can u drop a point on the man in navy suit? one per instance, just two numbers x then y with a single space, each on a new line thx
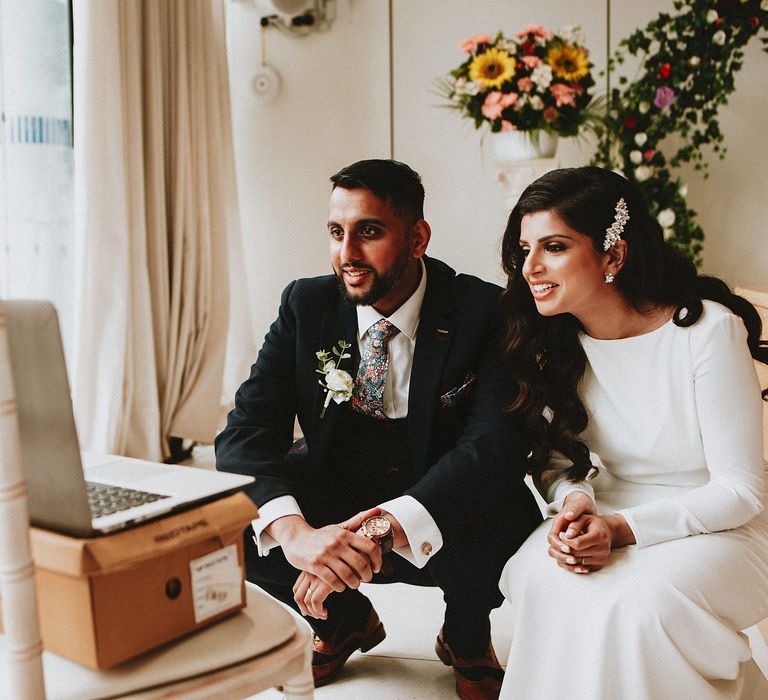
405 446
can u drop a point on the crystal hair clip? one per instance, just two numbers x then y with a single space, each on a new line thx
614 231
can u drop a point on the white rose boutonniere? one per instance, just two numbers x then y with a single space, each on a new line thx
338 382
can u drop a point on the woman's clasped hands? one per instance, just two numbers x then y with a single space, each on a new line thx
581 541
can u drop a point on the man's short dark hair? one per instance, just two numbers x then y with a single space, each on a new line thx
394 182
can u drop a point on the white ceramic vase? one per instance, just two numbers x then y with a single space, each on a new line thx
509 146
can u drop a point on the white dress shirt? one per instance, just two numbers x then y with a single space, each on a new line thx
424 537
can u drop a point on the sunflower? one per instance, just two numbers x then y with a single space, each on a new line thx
492 68
568 62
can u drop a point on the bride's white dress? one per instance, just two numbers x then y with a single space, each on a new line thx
675 418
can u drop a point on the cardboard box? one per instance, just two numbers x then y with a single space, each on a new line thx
107 599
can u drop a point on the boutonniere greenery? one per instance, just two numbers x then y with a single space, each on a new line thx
338 382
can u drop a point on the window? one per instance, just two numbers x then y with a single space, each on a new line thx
36 163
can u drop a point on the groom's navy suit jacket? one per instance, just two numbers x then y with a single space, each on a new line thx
467 453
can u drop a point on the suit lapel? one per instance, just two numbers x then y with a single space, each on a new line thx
337 324
433 342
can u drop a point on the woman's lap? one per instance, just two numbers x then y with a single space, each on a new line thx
662 618
724 572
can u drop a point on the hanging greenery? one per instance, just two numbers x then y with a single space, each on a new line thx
688 63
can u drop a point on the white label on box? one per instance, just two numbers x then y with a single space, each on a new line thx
216 582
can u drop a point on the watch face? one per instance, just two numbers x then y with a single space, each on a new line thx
377 526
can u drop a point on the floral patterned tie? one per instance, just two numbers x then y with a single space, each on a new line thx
368 393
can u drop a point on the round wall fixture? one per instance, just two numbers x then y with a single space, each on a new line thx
283 7
266 83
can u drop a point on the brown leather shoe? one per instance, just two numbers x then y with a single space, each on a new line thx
329 656
478 677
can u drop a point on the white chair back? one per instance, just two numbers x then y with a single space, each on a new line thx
22 676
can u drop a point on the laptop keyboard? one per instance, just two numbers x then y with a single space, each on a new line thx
105 500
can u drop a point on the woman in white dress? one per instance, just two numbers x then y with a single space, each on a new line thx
637 386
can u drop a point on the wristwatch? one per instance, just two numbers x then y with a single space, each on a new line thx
379 529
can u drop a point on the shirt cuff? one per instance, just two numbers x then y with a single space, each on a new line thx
272 510
424 537
564 488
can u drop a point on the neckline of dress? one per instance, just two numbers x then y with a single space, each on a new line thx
589 338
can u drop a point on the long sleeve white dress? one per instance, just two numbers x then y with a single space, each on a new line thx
675 420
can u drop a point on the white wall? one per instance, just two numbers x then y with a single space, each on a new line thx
334 109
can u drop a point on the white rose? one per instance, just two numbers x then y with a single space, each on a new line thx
764 5
711 16
537 103
462 86
340 384
542 76
641 138
719 37
683 190
694 61
636 157
666 218
643 172
643 107
668 233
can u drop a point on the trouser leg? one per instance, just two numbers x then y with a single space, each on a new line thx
467 569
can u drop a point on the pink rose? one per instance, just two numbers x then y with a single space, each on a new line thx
665 97
496 102
563 94
509 100
471 43
531 61
537 30
524 84
492 108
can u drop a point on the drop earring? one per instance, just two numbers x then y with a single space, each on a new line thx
609 277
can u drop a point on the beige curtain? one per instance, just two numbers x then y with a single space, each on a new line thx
157 235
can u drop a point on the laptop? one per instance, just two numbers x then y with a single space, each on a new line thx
96 494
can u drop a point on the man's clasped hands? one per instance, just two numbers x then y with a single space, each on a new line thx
330 558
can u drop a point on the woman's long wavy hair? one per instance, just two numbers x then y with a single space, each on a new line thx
544 353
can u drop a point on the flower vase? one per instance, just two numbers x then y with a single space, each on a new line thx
510 146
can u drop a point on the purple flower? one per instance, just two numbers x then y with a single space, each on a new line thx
665 96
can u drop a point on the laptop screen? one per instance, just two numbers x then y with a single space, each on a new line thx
48 437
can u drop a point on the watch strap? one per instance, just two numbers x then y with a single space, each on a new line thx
386 542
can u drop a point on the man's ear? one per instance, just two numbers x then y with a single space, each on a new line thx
420 238
615 257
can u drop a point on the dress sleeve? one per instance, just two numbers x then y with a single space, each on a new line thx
729 408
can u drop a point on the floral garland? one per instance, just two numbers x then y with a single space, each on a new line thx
689 62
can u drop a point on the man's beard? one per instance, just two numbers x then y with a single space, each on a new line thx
382 283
